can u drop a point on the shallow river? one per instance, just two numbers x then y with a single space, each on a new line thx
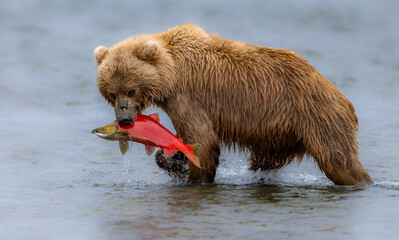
58 181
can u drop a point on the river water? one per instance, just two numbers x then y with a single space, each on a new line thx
58 181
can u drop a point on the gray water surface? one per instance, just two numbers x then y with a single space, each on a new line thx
58 181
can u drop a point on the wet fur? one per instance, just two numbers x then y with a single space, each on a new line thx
221 92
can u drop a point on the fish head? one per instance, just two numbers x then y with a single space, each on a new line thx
111 132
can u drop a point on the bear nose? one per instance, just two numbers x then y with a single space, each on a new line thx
125 121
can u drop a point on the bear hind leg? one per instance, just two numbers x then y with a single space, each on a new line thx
343 169
339 159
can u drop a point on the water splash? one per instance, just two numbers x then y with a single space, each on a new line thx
139 169
125 169
388 185
235 171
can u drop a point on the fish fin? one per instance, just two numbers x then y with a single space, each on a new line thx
193 155
154 116
169 152
149 149
194 147
123 146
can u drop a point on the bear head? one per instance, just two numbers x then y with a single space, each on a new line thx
133 74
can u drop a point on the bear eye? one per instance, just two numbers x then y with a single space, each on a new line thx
131 93
112 96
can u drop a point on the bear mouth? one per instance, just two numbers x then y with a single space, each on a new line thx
125 112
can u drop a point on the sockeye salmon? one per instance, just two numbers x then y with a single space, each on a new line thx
148 131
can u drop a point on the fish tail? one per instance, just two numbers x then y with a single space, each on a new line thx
192 154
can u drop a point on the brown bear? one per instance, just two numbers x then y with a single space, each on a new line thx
219 92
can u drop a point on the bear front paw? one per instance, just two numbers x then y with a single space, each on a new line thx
175 166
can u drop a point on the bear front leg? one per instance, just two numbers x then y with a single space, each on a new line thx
208 151
193 125
208 154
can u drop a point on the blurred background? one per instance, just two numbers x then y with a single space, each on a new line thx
58 181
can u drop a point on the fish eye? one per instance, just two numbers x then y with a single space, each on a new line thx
131 93
112 96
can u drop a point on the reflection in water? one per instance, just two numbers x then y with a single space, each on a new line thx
230 210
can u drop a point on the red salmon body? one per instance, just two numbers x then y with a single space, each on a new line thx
147 130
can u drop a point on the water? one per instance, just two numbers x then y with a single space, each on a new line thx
58 181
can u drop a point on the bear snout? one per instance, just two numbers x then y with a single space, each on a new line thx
125 113
125 121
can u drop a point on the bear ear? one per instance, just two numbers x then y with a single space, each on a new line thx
148 51
100 53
